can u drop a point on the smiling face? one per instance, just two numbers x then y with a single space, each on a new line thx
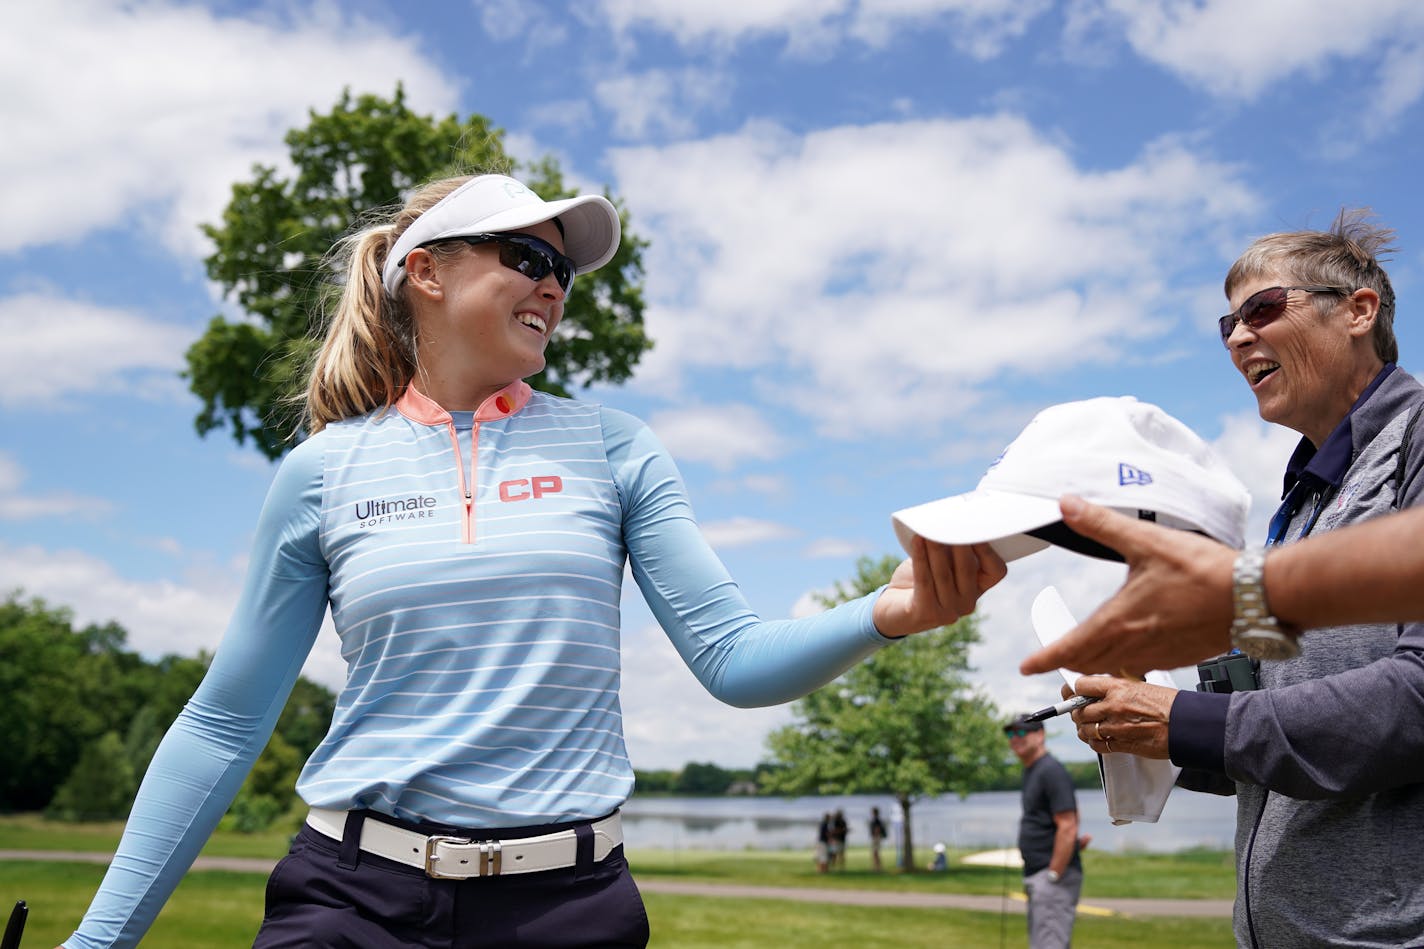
1306 368
479 324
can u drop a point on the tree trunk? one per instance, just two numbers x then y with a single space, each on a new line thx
909 841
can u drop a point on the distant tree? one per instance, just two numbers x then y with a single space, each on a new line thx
269 790
906 722
100 786
703 778
60 690
271 259
74 703
659 781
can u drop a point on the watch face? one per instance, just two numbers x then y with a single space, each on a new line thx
1266 644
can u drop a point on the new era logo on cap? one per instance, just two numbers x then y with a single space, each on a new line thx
1080 448
1126 474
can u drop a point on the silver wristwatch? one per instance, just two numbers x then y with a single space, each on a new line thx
1255 631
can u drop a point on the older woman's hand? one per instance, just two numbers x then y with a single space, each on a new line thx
936 586
1130 716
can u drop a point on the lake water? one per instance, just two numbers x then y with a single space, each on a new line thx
989 821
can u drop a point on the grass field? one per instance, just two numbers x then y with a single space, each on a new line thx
220 909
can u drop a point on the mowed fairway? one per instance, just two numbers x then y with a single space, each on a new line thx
221 908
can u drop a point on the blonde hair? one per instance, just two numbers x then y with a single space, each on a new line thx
367 352
1348 256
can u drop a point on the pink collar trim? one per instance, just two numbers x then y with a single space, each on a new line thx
418 407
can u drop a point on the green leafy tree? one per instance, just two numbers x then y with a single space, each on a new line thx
269 791
101 785
907 721
62 689
271 259
703 778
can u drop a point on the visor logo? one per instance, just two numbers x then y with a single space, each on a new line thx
1127 474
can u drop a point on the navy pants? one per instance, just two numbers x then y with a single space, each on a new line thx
314 901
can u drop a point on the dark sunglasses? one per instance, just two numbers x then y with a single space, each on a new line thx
1017 732
1265 306
530 256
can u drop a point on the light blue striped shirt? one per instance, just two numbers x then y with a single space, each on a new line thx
473 566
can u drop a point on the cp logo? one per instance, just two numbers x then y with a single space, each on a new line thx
525 488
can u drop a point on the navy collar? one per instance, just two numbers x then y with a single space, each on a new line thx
1329 464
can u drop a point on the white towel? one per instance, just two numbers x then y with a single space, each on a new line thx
1136 788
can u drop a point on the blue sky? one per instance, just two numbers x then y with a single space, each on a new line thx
884 234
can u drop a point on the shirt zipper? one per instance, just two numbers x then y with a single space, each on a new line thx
467 486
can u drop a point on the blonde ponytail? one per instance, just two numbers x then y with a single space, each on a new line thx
367 354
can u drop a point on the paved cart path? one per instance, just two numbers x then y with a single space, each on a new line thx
1013 903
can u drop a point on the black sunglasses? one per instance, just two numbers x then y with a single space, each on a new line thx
1018 732
1265 306
525 254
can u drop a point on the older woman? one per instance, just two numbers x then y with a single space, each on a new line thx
1328 797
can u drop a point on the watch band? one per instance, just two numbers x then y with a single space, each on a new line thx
1255 631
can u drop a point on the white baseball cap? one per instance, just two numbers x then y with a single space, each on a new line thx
494 204
1118 452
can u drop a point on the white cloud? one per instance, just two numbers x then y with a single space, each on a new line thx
164 616
1235 49
744 532
813 27
56 347
980 28
1007 632
16 505
722 436
833 547
907 268
1257 452
95 141
670 719
662 101
726 21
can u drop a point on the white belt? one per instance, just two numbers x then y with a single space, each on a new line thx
459 858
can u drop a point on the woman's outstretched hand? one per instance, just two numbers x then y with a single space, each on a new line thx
936 586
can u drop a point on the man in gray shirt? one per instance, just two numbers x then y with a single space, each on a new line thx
1048 838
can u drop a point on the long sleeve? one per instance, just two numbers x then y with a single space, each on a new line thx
740 658
1355 732
203 760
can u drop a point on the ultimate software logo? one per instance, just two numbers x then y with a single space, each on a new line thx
372 513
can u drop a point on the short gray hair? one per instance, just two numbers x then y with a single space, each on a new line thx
1347 255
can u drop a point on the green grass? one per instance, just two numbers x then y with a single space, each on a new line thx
221 909
1188 875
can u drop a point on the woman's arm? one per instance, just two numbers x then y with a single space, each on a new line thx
203 760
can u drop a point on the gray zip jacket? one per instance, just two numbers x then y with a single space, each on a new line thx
1328 757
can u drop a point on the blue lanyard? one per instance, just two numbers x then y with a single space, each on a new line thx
1280 521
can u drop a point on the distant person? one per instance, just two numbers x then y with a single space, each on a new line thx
940 862
823 843
877 834
839 830
1048 838
897 834
470 537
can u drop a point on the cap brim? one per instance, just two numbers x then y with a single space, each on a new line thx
591 227
996 518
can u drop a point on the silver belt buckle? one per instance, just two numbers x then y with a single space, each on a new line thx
491 858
